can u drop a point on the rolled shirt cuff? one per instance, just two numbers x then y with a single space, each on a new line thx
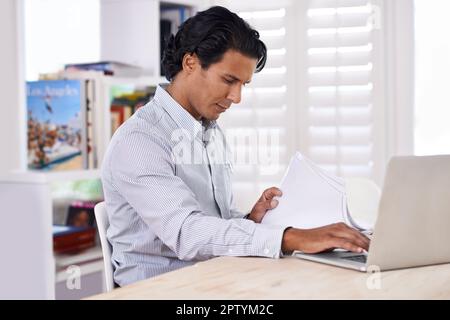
267 240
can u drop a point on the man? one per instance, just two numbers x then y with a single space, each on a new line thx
166 175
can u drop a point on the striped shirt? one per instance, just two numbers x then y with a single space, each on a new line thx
167 185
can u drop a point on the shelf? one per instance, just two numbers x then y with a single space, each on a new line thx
89 261
140 81
48 177
191 3
85 269
88 255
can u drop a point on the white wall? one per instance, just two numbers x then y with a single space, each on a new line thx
75 40
432 130
12 88
400 74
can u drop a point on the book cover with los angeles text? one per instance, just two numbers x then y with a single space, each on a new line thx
56 125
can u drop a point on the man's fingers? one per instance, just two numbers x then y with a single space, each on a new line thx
346 245
268 204
268 194
273 204
357 239
344 231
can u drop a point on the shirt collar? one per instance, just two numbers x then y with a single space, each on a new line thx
181 116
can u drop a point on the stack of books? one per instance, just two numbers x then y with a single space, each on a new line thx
79 231
126 101
109 68
71 239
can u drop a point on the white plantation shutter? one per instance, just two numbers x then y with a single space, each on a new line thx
343 112
258 128
322 92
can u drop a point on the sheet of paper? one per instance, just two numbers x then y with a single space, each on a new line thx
335 181
310 198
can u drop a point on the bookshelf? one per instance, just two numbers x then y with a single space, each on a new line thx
32 269
133 40
49 177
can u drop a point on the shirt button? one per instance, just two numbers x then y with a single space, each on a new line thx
266 251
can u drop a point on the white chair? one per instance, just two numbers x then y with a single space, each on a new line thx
363 198
102 224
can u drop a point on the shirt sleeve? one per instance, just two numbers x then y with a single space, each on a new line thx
143 172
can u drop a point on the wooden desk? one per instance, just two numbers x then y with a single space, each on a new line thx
287 278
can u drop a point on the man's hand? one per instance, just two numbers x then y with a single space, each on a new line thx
323 239
264 203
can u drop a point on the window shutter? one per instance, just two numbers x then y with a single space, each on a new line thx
343 117
321 93
257 129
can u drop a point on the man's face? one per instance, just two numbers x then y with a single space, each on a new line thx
212 91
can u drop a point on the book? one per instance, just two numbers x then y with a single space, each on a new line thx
119 114
71 239
90 123
94 103
165 29
176 14
171 17
132 96
81 214
313 197
110 68
126 100
56 125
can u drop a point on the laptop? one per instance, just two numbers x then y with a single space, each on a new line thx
413 223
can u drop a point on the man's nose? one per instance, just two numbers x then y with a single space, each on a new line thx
235 94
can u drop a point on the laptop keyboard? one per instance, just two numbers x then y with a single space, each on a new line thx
361 258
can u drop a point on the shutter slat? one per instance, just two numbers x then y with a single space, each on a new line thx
340 59
265 80
274 42
343 135
345 98
272 23
276 61
340 78
263 99
338 20
339 40
314 4
348 116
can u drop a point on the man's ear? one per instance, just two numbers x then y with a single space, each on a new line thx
190 62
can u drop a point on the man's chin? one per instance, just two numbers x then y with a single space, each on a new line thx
212 117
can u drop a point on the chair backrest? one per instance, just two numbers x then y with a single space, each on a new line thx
363 198
102 224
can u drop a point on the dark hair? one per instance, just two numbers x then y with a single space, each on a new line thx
209 34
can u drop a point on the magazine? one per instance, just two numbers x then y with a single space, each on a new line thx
56 123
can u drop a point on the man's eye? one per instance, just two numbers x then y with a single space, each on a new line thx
228 81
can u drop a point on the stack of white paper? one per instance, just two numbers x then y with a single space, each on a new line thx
312 197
